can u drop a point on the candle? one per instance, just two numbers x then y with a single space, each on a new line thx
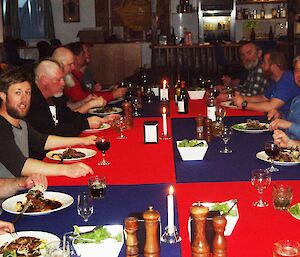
164 84
171 208
164 116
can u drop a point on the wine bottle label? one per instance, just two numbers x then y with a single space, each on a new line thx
181 107
211 112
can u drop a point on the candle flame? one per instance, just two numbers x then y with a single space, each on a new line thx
164 83
171 190
164 110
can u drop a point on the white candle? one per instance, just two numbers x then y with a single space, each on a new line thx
171 208
164 116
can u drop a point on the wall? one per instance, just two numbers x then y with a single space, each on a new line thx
67 31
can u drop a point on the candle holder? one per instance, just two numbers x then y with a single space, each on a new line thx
170 235
164 136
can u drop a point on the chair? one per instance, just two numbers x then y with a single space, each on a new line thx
44 49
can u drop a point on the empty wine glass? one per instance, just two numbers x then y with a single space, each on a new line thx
103 144
226 136
136 106
85 206
260 179
121 124
272 150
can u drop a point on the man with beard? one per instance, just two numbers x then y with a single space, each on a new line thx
279 93
66 58
18 138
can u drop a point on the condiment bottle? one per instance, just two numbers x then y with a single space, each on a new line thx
127 108
131 227
151 248
199 127
219 244
208 130
200 247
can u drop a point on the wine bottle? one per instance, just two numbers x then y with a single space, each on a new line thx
183 101
173 37
252 35
271 34
177 89
211 107
262 12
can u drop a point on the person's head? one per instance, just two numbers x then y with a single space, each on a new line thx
87 54
65 57
15 93
274 61
77 49
250 55
296 65
49 77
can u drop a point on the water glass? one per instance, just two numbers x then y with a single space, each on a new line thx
97 186
226 136
85 206
286 248
260 179
282 196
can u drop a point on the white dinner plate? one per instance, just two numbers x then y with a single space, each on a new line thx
243 128
104 126
45 236
116 100
229 104
99 111
294 215
9 204
264 157
88 154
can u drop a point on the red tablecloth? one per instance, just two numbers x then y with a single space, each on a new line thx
132 161
257 228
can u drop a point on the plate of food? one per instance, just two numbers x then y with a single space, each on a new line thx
41 203
286 157
251 126
229 104
117 100
105 111
104 126
295 211
71 154
27 243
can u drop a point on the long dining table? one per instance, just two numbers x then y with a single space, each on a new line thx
140 174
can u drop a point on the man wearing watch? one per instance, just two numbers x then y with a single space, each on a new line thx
280 91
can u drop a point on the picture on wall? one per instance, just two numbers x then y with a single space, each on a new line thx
71 10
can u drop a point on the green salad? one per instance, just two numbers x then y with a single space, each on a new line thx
190 143
224 208
295 210
97 235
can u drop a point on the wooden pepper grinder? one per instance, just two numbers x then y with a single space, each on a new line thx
220 244
152 247
208 130
131 227
200 247
127 108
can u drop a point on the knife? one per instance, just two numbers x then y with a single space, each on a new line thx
26 206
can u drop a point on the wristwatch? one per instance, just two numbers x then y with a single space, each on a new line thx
244 104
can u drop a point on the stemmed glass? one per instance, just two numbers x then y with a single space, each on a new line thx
85 206
226 135
136 105
260 179
121 124
103 144
272 150
220 113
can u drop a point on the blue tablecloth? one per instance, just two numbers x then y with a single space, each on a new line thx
235 166
119 202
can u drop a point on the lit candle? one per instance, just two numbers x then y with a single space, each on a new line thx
164 84
171 208
164 116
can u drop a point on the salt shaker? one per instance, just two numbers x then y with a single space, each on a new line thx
220 244
152 247
131 227
200 246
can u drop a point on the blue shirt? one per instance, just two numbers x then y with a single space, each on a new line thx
284 89
294 117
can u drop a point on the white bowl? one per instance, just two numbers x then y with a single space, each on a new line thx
196 94
192 153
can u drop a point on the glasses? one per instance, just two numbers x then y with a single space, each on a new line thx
121 123
226 136
85 206
272 150
103 144
260 179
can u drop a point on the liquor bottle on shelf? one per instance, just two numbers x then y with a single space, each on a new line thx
274 13
183 101
262 12
271 34
282 11
172 37
252 35
278 12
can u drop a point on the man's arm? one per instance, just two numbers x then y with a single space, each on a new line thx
265 106
57 141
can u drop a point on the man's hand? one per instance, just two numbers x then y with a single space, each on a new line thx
282 140
238 99
280 124
34 180
273 114
97 102
90 140
119 92
94 122
6 227
77 170
110 118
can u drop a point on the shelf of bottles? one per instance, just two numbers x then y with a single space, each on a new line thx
184 6
260 1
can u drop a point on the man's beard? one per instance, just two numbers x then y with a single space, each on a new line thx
14 112
69 80
251 65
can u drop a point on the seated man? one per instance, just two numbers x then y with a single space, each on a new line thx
292 123
18 138
48 112
279 93
80 90
255 82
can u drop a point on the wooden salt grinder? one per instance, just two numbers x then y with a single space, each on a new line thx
127 108
220 244
131 227
200 247
152 247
